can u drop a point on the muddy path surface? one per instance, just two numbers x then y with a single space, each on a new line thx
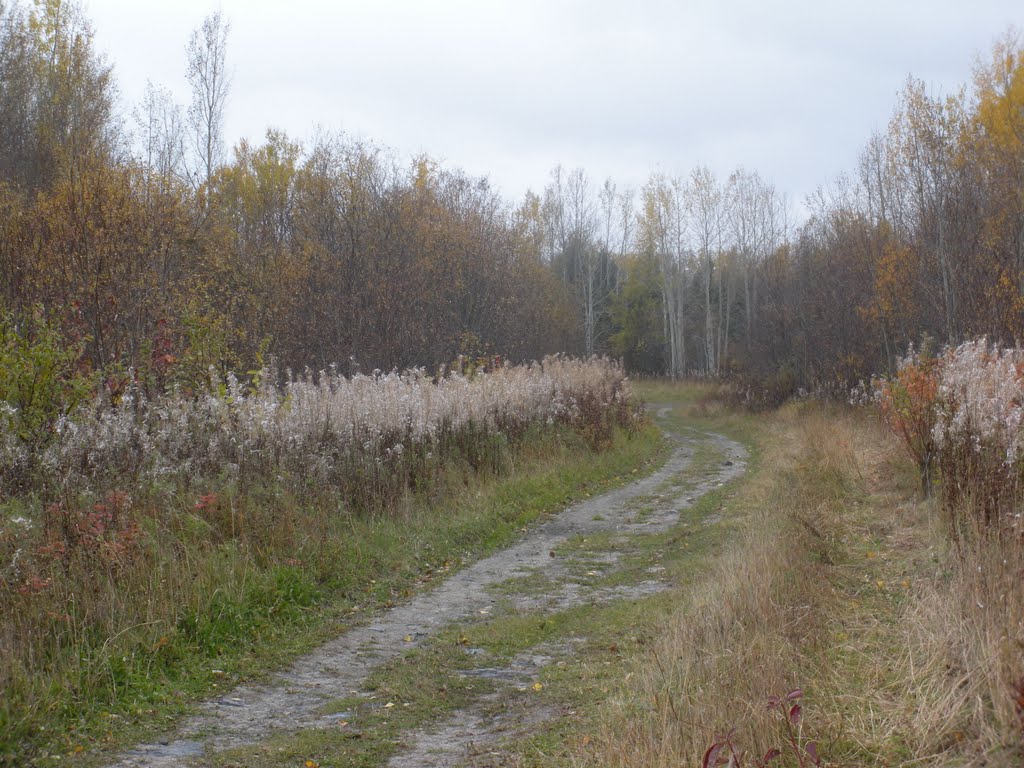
296 697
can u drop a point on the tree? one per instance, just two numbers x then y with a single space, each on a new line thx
639 339
926 133
18 85
162 137
998 144
56 94
705 206
662 237
210 80
756 223
572 222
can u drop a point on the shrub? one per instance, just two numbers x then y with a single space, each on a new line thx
908 402
796 748
962 414
41 381
758 393
979 435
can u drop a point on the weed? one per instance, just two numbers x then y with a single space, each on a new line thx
802 753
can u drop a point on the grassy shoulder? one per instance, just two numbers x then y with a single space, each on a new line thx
242 614
838 581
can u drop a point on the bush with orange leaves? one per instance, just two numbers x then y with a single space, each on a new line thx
909 405
961 416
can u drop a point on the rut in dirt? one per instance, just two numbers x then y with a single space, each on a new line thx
294 698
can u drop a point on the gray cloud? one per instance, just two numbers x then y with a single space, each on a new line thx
509 88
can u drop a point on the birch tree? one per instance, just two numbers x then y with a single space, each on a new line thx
210 81
573 219
704 202
662 234
756 224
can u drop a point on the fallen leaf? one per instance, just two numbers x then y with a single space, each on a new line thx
389 705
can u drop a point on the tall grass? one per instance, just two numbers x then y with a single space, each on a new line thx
149 536
749 630
900 615
367 435
968 631
962 669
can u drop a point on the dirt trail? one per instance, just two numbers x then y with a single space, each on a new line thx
294 699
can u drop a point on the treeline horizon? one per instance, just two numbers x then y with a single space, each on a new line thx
153 249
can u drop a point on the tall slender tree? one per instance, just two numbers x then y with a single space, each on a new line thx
208 75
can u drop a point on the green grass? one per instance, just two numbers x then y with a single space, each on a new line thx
265 613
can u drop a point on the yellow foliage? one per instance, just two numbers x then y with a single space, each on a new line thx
999 87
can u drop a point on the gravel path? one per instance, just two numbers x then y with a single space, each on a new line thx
293 699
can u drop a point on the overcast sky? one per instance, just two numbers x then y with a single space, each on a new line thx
508 89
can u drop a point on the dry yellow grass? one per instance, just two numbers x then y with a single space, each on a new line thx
952 649
841 584
965 660
750 629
